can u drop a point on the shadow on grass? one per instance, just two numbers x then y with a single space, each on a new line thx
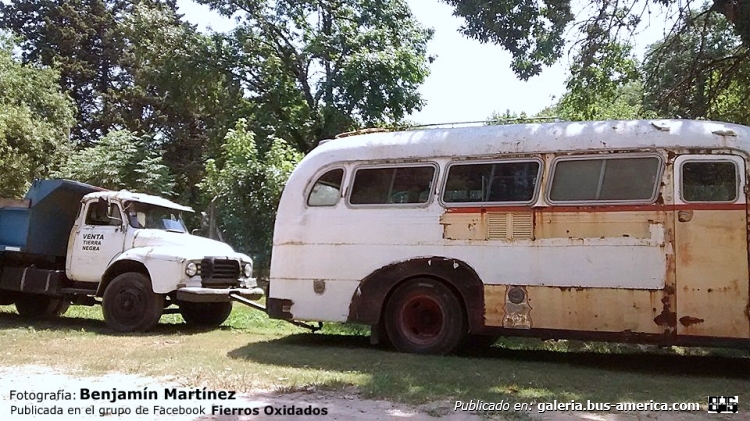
513 374
89 325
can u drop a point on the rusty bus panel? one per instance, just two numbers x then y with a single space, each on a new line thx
597 223
712 274
585 309
464 226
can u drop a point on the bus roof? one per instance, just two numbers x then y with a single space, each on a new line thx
533 138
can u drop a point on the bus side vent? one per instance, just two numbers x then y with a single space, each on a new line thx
510 225
497 225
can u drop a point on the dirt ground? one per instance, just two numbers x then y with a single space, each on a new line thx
341 405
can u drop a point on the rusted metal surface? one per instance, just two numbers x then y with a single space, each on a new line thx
712 274
279 308
688 321
481 224
581 309
600 222
367 303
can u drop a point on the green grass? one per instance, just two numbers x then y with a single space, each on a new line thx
252 352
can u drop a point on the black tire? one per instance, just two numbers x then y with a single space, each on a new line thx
7 298
130 305
205 314
34 306
423 316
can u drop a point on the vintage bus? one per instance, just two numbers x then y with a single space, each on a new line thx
611 230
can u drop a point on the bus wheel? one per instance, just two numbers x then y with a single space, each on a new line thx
7 298
205 314
423 316
33 306
129 304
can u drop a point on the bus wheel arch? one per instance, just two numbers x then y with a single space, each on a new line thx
371 297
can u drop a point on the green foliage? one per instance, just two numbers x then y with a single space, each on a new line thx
596 78
508 117
247 183
35 117
531 30
121 160
535 32
315 69
702 72
79 38
624 103
178 91
135 66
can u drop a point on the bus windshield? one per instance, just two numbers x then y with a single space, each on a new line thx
145 215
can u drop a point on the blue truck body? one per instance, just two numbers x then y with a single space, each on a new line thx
41 224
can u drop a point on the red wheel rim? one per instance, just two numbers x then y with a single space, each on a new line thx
421 319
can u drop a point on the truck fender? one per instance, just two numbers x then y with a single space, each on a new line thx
118 267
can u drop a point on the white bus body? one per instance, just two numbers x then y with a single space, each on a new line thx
612 230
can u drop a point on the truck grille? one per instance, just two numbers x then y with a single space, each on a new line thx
219 272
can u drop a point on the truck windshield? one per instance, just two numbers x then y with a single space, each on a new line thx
144 215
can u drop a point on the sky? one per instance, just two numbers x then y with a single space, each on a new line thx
468 81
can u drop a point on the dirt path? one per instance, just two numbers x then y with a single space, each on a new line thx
342 405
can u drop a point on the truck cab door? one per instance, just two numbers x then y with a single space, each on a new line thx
97 239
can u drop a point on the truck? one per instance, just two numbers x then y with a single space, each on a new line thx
69 243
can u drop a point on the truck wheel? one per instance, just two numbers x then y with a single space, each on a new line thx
205 314
33 306
130 305
423 316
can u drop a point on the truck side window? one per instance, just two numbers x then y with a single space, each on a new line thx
97 214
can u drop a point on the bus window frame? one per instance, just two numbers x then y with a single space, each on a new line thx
609 155
367 166
314 179
469 161
712 158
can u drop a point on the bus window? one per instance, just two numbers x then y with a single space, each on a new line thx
629 179
327 189
491 182
397 185
709 181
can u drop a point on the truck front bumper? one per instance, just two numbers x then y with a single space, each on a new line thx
216 295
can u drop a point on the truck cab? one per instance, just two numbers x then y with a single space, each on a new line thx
129 252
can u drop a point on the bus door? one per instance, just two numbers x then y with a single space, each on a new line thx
711 246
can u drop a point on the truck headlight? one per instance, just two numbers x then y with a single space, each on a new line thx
247 270
191 269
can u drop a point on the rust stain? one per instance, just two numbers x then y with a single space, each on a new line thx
690 320
667 318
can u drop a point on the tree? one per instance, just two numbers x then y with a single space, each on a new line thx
120 160
625 103
81 39
600 33
179 93
702 72
35 118
534 31
134 65
247 184
313 69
